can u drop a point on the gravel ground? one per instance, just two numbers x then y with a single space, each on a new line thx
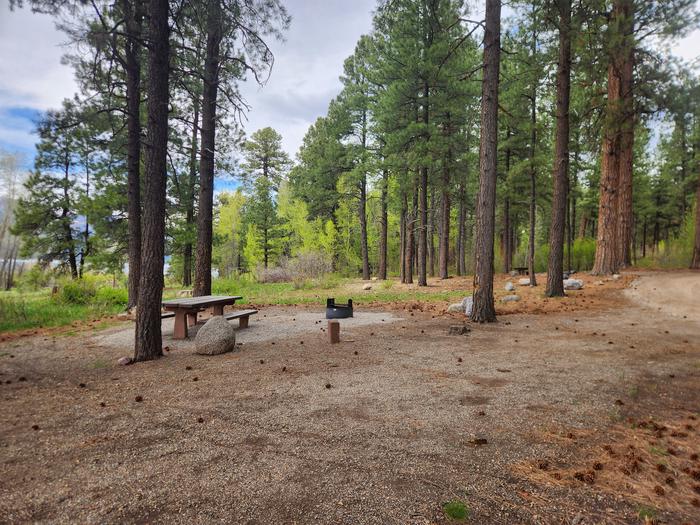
383 428
266 325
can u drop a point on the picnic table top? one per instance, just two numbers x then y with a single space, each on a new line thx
201 301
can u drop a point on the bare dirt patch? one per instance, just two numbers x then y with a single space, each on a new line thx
384 428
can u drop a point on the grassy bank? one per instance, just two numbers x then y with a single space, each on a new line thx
20 311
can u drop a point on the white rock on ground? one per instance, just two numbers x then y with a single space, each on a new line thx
509 287
573 284
467 304
455 308
367 287
217 336
510 298
524 282
123 361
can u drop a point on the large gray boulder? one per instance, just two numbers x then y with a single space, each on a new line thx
509 287
573 284
217 336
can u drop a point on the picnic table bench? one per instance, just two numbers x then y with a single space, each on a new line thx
187 308
522 270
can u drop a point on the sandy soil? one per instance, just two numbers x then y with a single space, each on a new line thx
529 420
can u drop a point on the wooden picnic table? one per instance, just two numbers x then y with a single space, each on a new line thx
186 310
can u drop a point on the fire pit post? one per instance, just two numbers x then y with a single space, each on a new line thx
334 331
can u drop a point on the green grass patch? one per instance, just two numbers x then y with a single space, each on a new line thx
646 513
456 510
39 310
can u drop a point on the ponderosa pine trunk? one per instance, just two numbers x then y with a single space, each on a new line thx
66 220
459 248
445 206
431 235
384 227
133 20
191 185
608 255
202 272
423 204
695 262
403 238
626 212
533 174
362 205
148 338
483 309
560 175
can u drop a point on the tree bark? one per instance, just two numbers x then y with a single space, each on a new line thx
483 307
431 235
423 204
384 232
66 221
560 176
202 272
626 219
363 228
191 185
533 172
404 237
695 262
613 174
133 16
444 241
148 339
459 248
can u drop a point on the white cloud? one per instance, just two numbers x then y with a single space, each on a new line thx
31 73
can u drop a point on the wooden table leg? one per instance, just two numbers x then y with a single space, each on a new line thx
218 309
180 330
191 318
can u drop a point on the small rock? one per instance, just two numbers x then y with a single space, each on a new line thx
467 304
455 308
616 276
217 336
524 282
509 287
458 329
513 273
478 441
367 287
510 298
123 361
573 284
599 283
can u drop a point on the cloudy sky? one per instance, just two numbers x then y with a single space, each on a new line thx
304 80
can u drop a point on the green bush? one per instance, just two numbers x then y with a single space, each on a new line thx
80 291
112 296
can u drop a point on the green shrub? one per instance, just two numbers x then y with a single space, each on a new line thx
456 510
79 291
112 296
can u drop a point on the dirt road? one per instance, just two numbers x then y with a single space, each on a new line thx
580 415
